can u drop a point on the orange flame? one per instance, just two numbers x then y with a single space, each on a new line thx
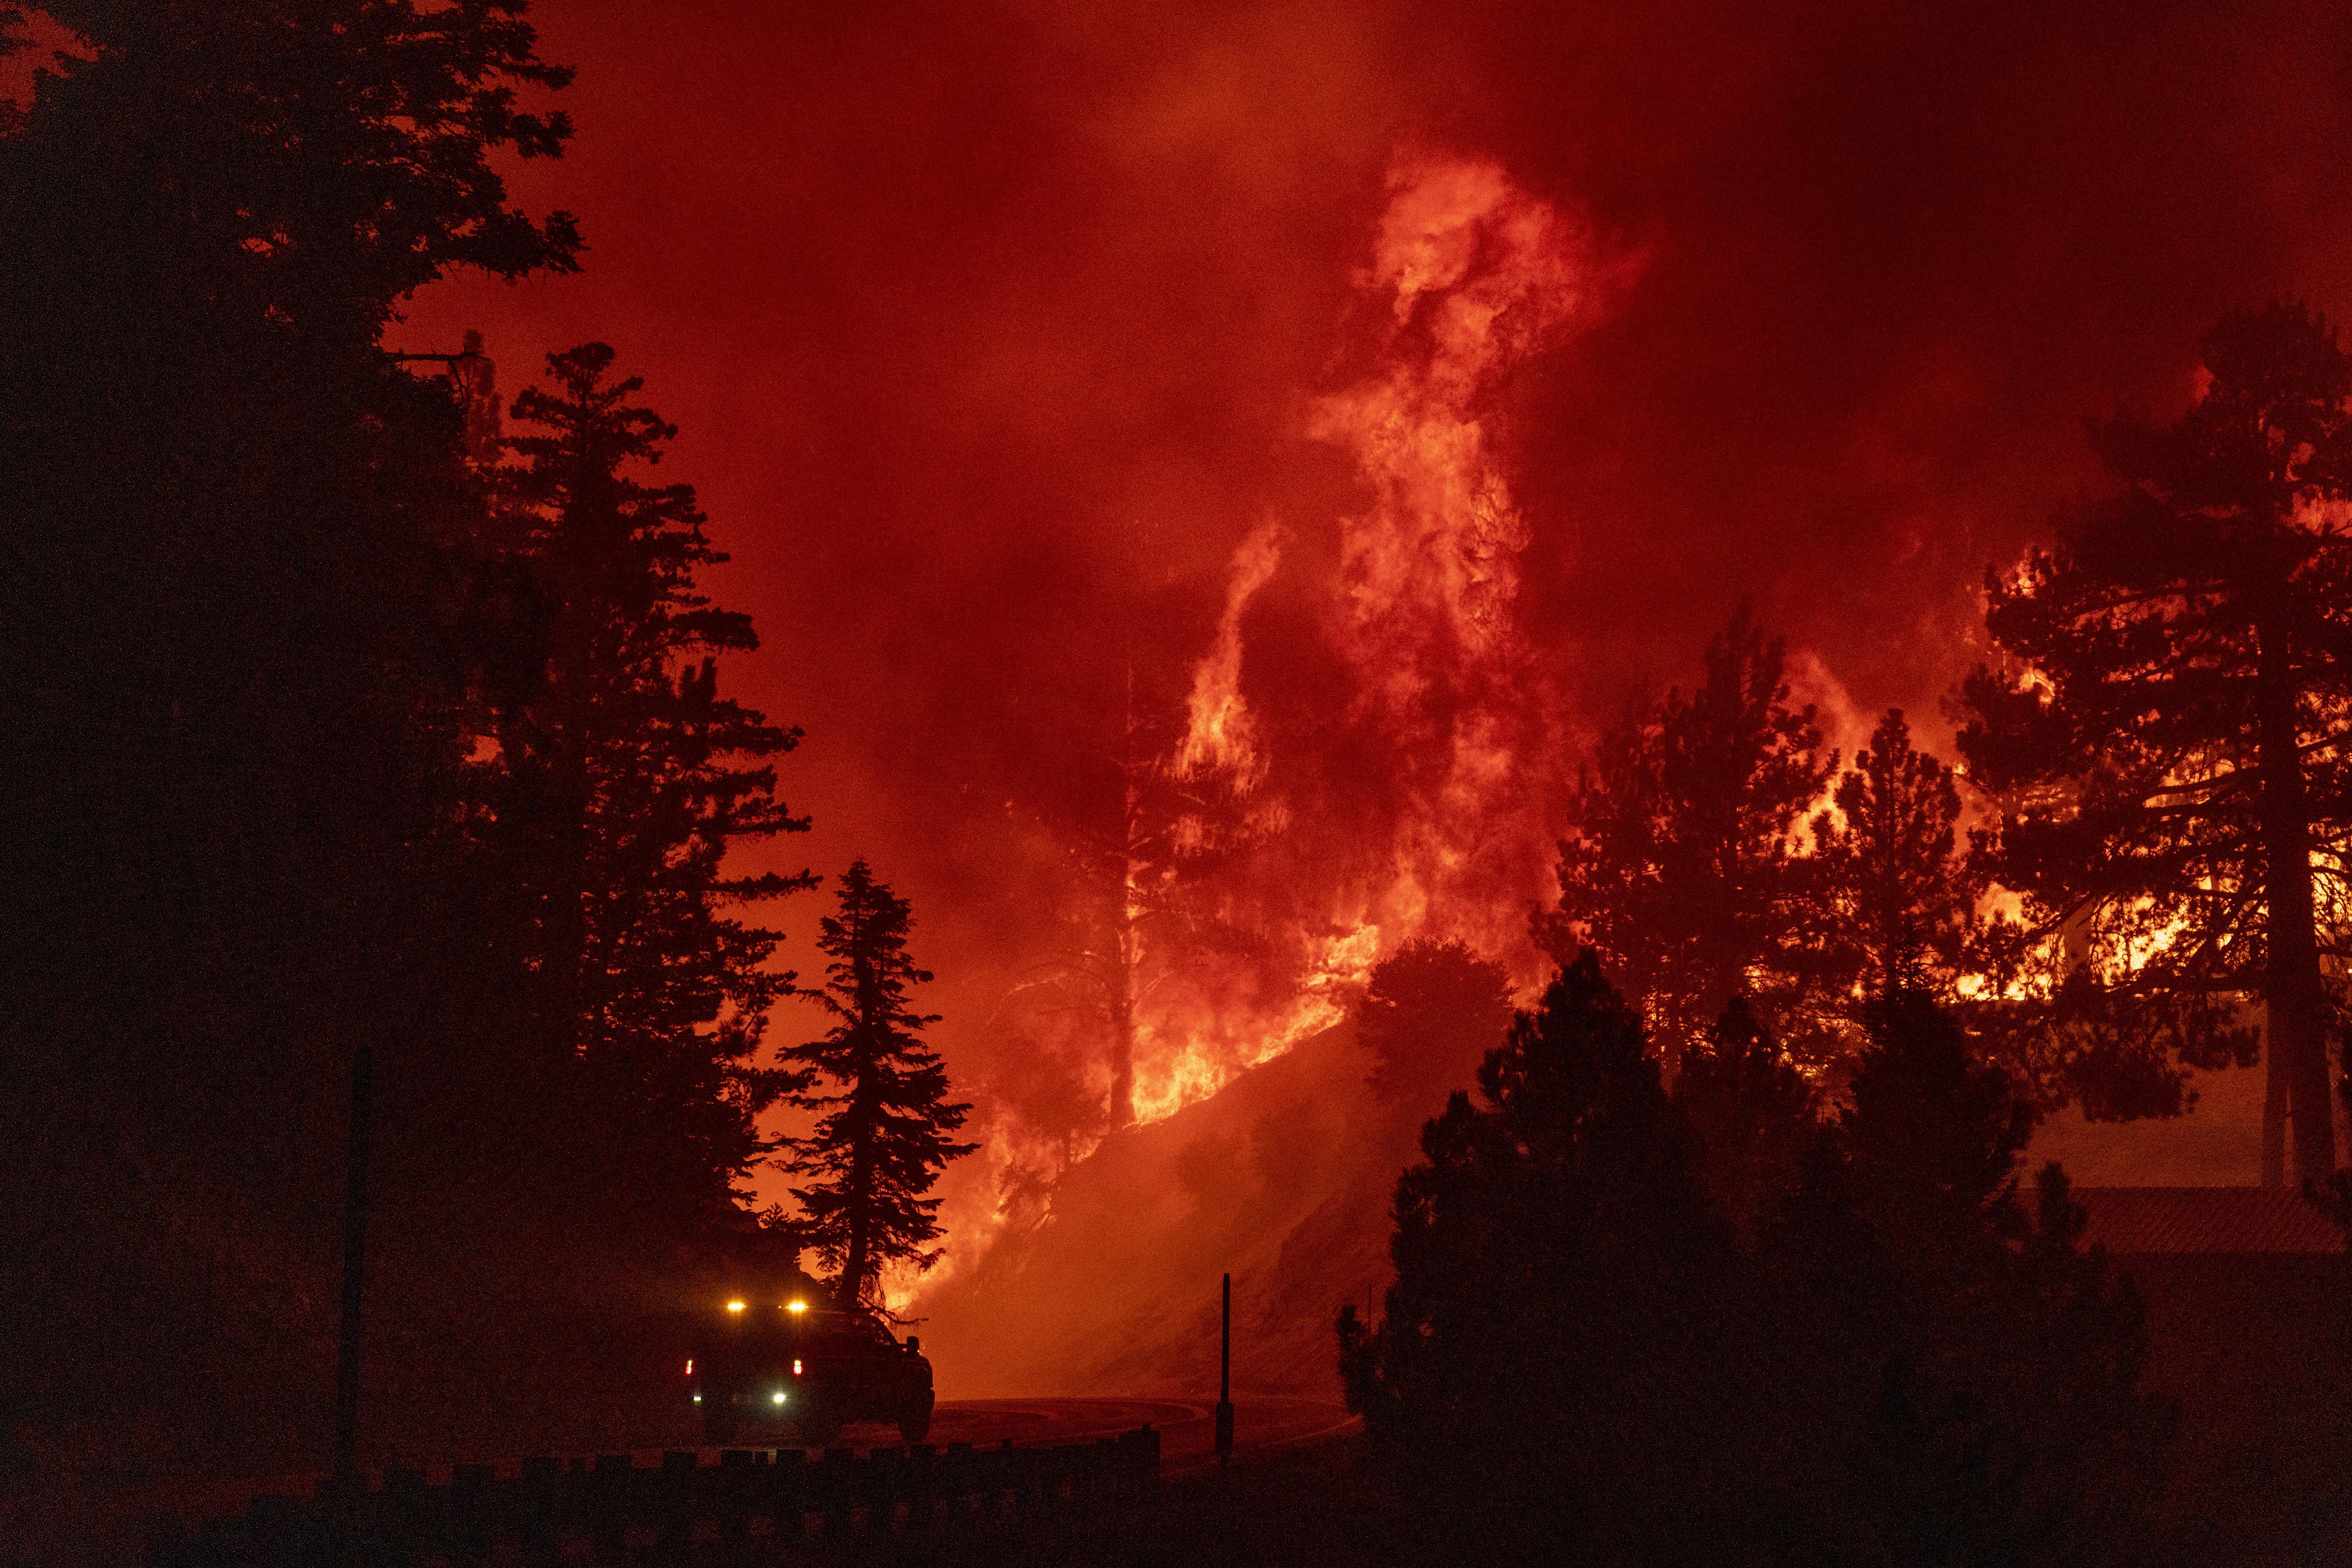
1222 735
1469 277
1473 276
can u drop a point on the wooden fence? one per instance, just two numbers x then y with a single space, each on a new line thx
752 1506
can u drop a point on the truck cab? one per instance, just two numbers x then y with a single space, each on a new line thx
804 1365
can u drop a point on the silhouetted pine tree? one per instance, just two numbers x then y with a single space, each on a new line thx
1543 1353
1681 869
246 636
1751 1117
2169 745
1972 1373
1431 1011
1898 902
883 1138
626 780
1898 913
1581 1356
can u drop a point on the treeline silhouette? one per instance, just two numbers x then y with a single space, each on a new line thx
1734 1265
1714 1325
2158 752
325 729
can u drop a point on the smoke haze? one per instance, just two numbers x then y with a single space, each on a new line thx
1383 397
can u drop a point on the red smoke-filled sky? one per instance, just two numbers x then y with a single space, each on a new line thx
994 330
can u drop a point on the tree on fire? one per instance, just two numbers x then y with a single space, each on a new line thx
1149 828
1887 1362
1681 870
884 1136
623 780
2167 745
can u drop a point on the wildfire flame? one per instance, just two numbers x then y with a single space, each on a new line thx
1222 735
1469 277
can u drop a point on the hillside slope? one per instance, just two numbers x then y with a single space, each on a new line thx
1283 1178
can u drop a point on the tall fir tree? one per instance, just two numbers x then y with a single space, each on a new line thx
626 779
2167 741
1553 1261
1898 901
244 625
882 1135
1681 871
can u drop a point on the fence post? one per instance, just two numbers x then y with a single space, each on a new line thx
347 1355
1225 1378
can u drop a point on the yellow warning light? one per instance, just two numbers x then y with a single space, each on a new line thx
796 1307
734 1305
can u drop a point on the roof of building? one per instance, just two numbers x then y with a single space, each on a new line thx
2142 1220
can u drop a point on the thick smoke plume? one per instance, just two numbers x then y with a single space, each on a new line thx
997 333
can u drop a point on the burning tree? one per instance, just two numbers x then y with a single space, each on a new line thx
2168 745
1164 813
883 1138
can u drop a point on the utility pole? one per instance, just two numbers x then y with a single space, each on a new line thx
347 1360
1225 1380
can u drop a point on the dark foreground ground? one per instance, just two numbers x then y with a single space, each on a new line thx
1315 1498
2257 1353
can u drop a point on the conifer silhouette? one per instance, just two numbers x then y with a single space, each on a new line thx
247 655
1681 870
1898 899
625 780
2168 740
1431 1011
883 1136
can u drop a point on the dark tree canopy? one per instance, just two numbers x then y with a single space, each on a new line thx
1751 1117
884 1130
1986 1367
1586 1354
1550 1252
1898 902
1431 1010
1682 871
2166 739
251 629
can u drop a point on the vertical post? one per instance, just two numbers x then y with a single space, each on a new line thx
347 1359
1225 1378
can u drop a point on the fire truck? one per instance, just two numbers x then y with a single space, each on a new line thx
802 1365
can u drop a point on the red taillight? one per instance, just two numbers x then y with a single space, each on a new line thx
797 1368
689 1369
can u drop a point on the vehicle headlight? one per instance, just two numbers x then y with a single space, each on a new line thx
779 1397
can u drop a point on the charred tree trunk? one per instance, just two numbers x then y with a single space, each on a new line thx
1122 1025
857 1257
2296 1047
858 1252
1125 934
